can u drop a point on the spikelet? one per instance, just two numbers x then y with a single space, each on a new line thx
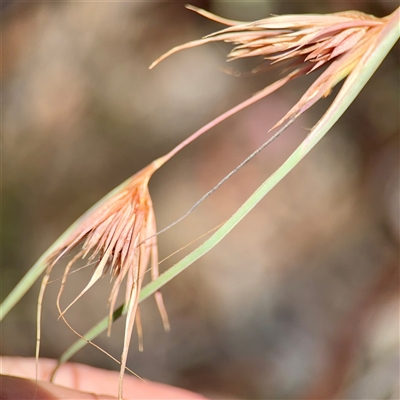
308 42
119 236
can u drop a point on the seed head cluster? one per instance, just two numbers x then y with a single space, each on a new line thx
305 42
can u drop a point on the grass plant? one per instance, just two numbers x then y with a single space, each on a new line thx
119 232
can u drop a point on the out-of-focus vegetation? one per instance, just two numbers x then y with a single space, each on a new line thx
301 299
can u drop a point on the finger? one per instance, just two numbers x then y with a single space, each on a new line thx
89 379
14 388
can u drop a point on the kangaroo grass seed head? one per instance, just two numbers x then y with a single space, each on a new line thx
309 41
118 237
310 38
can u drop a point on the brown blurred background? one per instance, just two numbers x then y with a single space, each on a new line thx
301 300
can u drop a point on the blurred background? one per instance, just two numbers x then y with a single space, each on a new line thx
301 300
